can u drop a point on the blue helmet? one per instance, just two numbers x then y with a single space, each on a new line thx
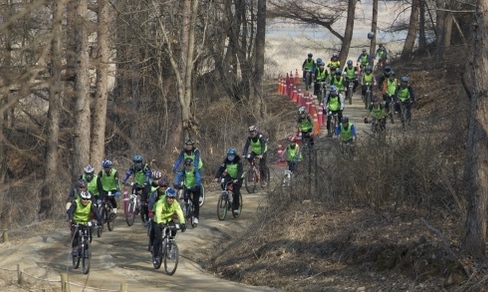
107 163
349 62
319 60
368 68
137 159
392 73
231 151
387 68
333 89
170 192
338 71
404 79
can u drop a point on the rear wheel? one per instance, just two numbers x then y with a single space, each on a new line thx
157 264
110 219
171 256
265 177
99 230
130 213
222 206
250 181
240 207
201 200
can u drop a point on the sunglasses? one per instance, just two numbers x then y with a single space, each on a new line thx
85 199
170 198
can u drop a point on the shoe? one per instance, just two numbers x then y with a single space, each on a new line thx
195 220
74 253
156 261
236 212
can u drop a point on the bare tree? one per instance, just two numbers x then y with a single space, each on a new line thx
259 57
476 168
412 31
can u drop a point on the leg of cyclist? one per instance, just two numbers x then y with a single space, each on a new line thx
235 196
195 199
152 235
75 240
144 199
251 156
408 114
157 241
262 163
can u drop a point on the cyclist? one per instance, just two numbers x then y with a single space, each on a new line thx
293 154
91 179
381 54
231 170
191 182
156 194
80 186
308 65
321 75
142 177
363 59
334 63
338 81
259 148
81 211
346 131
367 78
404 94
189 151
386 73
333 105
164 209
377 111
108 181
351 75
305 125
389 87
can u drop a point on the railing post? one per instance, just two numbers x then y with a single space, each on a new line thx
123 287
64 282
20 277
5 235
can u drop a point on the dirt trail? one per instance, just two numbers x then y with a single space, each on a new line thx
122 256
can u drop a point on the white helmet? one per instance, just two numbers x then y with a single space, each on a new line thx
89 169
85 195
302 110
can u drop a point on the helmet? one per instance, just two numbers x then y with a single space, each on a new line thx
310 55
189 142
231 151
137 159
302 110
170 192
380 45
85 195
81 183
392 73
387 68
107 163
375 98
345 119
156 175
188 161
252 128
335 54
404 79
338 71
319 60
368 68
332 89
293 138
89 169
321 64
163 183
364 50
349 62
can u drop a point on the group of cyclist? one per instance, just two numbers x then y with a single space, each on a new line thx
335 82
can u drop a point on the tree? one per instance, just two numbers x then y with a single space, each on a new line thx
259 56
413 26
476 168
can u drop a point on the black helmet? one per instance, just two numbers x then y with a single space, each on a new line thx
345 119
310 55
188 161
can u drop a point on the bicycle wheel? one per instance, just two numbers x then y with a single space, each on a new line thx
157 264
85 258
222 206
240 207
265 178
201 200
349 94
110 219
76 260
250 181
130 213
170 257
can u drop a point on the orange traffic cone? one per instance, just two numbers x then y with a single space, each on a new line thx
280 156
297 77
321 114
279 84
316 130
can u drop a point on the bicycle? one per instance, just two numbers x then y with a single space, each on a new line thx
83 254
286 180
391 108
308 79
254 175
404 113
201 199
367 97
350 88
168 249
107 212
334 121
133 206
224 202
187 203
321 92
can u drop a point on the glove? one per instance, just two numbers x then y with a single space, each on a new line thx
235 181
151 214
196 189
216 179
365 120
70 224
99 202
183 227
117 194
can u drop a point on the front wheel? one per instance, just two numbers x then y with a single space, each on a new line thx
85 261
222 206
349 94
76 260
201 200
265 177
171 256
250 181
240 207
130 213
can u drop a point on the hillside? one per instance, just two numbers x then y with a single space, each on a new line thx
374 244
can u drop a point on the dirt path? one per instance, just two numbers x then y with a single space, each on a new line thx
122 256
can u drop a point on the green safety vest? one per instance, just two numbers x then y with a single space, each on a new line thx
334 104
391 86
335 64
140 176
306 124
338 83
346 135
321 75
350 73
92 185
403 94
190 179
368 78
364 60
308 64
292 153
192 156
108 181
256 146
231 169
378 112
381 53
82 213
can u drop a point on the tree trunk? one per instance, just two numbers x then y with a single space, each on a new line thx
476 163
348 32
440 35
81 141
53 115
412 31
422 38
374 24
259 58
97 147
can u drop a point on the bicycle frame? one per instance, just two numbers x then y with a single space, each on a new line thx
367 97
84 231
